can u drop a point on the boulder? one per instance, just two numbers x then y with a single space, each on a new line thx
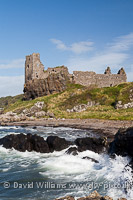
39 104
122 199
22 117
40 114
123 143
92 159
82 107
50 114
119 105
93 196
57 144
37 107
9 117
72 150
24 143
97 145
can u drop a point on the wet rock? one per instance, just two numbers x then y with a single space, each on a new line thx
123 143
24 143
72 150
97 145
57 144
131 164
34 127
92 159
66 198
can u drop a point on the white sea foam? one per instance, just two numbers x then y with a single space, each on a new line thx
64 168
9 127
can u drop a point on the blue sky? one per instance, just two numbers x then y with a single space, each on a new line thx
84 35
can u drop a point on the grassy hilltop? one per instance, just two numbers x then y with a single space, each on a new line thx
75 95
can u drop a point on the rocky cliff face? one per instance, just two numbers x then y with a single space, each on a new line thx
41 87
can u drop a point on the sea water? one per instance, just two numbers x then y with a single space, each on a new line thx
36 176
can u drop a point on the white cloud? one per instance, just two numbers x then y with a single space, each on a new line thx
130 73
115 55
18 63
77 48
11 85
122 43
98 62
59 44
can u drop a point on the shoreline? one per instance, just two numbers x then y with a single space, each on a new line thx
106 128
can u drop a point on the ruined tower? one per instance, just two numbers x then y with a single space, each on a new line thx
107 71
34 69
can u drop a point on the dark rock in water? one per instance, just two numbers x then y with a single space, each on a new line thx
123 143
56 143
24 143
23 125
92 159
34 127
73 151
131 164
93 144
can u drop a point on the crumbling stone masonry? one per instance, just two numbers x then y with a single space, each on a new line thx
35 73
100 80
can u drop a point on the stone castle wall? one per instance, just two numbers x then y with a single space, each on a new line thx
100 80
34 69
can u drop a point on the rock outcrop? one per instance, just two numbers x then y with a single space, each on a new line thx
72 150
13 117
24 143
123 143
92 159
97 145
36 143
93 196
57 144
119 105
41 87
36 111
82 107
31 142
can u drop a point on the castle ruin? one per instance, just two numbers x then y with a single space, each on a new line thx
34 72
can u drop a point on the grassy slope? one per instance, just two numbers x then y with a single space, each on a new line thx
6 101
77 94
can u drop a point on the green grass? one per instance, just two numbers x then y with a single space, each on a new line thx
75 95
7 101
